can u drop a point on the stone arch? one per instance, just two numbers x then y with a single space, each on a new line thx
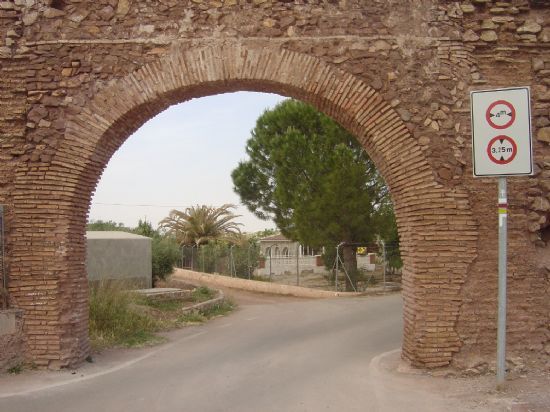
435 222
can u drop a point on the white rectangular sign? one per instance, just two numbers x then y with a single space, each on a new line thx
501 132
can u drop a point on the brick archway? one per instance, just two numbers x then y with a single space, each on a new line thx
435 223
78 77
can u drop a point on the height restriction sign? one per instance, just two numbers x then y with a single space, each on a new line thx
501 132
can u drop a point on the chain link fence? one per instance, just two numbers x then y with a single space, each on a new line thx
378 264
228 260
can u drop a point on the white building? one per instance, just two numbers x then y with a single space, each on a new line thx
280 255
279 246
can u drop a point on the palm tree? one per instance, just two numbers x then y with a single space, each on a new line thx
198 225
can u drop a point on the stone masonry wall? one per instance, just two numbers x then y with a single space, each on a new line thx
511 43
79 77
11 338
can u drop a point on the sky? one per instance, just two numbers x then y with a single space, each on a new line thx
182 157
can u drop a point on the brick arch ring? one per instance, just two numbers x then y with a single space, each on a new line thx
433 221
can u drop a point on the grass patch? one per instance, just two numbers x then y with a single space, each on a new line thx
200 316
192 317
220 309
115 319
15 369
165 305
122 318
20 367
202 294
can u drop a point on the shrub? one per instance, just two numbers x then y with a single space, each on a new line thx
165 255
16 369
114 319
202 294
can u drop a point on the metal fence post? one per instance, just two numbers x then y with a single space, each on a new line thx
336 271
385 262
270 272
297 265
248 260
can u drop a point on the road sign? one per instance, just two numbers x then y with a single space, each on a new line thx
500 114
502 149
501 132
501 146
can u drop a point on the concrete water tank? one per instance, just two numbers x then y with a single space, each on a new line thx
119 256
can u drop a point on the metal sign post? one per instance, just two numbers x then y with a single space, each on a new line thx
501 146
502 260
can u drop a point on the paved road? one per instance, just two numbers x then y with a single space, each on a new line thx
272 354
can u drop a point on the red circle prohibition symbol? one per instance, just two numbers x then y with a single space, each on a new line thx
489 115
513 151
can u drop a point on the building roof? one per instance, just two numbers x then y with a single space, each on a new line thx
275 238
99 234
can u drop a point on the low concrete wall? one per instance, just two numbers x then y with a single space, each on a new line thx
217 300
267 287
11 337
119 256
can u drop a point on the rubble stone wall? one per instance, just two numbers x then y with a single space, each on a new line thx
78 77
11 338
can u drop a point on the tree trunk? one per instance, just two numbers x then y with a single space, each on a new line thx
350 263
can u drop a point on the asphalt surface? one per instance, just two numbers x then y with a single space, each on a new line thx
272 354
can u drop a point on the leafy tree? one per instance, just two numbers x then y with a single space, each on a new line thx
166 253
199 225
385 221
164 248
313 179
264 233
106 225
145 228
